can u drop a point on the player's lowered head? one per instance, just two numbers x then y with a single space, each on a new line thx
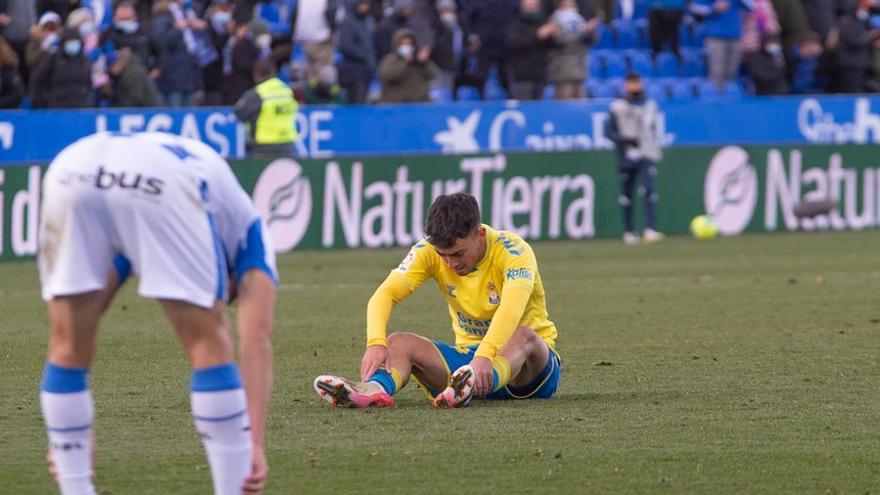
454 230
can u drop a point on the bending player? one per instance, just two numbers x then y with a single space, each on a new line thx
171 210
504 341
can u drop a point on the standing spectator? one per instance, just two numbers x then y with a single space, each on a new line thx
63 79
568 57
632 126
723 21
664 17
83 21
767 67
269 112
325 88
448 46
852 51
403 77
759 22
358 64
528 39
486 22
132 84
44 39
179 73
314 22
243 54
220 27
126 31
16 19
11 87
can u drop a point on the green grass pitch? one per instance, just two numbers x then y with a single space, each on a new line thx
746 365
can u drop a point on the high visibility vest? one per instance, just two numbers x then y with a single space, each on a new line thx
276 122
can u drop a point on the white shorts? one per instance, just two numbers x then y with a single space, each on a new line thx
147 209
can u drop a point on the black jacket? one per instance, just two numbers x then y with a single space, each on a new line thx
62 82
526 54
768 72
179 69
11 88
356 43
138 42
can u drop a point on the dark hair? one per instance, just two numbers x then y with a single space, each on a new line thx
633 76
452 217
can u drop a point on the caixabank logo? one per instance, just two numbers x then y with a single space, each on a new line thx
283 197
730 190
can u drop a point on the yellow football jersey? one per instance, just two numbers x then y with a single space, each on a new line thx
473 299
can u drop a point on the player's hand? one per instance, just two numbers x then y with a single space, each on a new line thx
257 479
482 376
374 358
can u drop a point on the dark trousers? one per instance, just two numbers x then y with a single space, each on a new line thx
356 81
663 29
643 172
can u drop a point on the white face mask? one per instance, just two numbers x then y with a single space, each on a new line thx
774 49
863 15
405 51
264 40
86 28
449 18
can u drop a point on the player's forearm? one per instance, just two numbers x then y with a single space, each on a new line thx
392 291
504 322
256 304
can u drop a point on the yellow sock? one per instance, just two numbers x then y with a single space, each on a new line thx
395 375
501 368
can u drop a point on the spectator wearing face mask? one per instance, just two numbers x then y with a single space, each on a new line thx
132 86
852 48
220 28
83 21
179 70
767 67
572 36
449 45
314 22
44 39
246 47
403 77
126 31
529 36
358 63
63 79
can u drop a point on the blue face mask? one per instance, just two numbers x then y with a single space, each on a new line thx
222 17
72 47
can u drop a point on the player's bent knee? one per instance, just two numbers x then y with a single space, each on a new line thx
527 338
398 339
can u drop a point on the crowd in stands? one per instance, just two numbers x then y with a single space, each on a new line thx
140 53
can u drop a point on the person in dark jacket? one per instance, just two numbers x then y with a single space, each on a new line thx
767 67
179 71
852 52
131 84
448 50
528 38
414 15
11 87
485 22
220 28
358 64
63 79
127 32
243 55
404 78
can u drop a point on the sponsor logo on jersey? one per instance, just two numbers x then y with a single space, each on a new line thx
519 274
472 326
283 197
105 180
407 262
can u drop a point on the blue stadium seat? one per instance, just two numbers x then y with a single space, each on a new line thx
467 93
681 91
640 62
440 95
733 90
642 33
666 65
494 91
549 92
615 65
596 64
624 34
708 91
605 37
693 64
657 91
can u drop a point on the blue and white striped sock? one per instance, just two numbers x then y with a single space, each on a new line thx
219 409
68 412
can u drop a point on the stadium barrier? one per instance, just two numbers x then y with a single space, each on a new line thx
381 201
464 128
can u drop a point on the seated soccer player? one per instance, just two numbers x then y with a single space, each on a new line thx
504 341
170 210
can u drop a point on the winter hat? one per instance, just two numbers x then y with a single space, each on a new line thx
48 17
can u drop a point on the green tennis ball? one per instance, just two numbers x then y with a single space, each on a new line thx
703 228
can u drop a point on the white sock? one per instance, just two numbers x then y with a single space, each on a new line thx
68 416
221 420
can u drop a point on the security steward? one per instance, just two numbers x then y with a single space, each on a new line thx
269 111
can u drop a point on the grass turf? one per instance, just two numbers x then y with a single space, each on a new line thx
739 365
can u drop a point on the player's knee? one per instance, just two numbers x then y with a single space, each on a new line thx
400 339
527 338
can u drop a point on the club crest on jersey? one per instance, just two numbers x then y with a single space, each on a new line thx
493 296
450 289
519 274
